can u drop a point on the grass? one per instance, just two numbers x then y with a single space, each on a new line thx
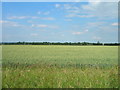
44 66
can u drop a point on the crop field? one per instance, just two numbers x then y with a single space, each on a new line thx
56 66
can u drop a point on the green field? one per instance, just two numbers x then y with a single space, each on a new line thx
55 66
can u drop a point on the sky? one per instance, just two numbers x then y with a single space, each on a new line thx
59 21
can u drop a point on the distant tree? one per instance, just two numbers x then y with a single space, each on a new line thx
98 42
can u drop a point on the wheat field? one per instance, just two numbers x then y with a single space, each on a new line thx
57 66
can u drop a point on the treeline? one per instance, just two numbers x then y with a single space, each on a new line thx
58 43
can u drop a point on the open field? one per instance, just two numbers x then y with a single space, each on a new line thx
50 66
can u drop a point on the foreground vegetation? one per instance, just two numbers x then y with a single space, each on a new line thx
29 66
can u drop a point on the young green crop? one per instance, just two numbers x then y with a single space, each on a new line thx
52 66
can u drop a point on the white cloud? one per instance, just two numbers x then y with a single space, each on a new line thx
114 24
33 25
44 26
48 18
96 24
102 10
42 18
67 6
18 17
68 19
88 7
92 5
57 5
43 13
39 25
31 17
74 11
77 0
47 13
97 38
10 23
1 21
102 26
38 12
81 16
33 34
78 33
71 6
94 2
34 17
30 21
86 30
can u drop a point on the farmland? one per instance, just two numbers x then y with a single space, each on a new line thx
57 66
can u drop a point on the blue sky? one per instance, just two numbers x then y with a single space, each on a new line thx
60 21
